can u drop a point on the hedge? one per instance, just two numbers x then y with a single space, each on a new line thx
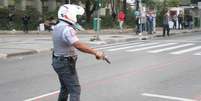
16 22
106 21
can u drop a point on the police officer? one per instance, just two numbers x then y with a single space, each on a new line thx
25 22
64 58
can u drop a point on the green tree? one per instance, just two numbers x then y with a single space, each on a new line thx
91 6
150 3
173 3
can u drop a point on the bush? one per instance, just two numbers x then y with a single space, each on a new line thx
3 18
130 19
106 21
16 22
34 17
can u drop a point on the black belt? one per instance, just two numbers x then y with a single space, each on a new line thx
68 58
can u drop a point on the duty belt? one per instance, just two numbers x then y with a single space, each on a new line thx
70 58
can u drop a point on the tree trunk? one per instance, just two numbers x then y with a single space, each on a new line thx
124 6
88 10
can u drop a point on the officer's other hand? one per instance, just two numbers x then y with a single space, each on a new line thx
99 55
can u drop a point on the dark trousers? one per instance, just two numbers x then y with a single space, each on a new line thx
175 24
181 25
25 28
166 28
150 27
65 68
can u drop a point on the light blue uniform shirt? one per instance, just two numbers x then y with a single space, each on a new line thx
64 36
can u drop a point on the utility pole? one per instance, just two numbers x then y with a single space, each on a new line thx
96 21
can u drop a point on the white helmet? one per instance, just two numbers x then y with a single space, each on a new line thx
69 12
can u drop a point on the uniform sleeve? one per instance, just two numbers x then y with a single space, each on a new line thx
69 36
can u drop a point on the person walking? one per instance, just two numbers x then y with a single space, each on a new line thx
166 19
143 23
174 20
150 20
64 55
121 19
190 21
25 22
10 21
180 20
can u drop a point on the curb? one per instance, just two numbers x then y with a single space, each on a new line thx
20 53
30 52
35 51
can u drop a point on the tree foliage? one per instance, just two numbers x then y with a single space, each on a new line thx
173 3
150 3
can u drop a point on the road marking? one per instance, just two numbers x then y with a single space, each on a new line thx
118 76
166 97
141 45
150 47
197 53
120 45
170 48
186 50
181 41
42 96
112 44
3 56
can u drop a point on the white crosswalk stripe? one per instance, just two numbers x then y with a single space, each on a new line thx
173 48
135 46
170 48
151 47
186 50
121 45
114 44
197 53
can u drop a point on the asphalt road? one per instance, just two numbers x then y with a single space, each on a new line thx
165 69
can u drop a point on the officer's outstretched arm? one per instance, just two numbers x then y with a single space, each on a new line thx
86 49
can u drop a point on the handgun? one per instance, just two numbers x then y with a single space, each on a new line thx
106 59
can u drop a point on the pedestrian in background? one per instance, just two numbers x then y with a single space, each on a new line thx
25 22
190 21
174 20
143 23
166 28
64 55
121 19
180 20
10 21
150 23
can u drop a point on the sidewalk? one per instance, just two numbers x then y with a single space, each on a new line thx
17 43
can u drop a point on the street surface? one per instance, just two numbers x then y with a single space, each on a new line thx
162 69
